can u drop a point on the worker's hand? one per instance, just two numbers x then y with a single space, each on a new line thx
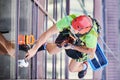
68 46
30 54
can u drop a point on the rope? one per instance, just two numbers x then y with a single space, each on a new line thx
109 49
72 30
83 8
44 11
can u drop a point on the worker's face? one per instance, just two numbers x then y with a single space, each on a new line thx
82 31
76 31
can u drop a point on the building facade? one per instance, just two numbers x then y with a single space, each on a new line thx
26 17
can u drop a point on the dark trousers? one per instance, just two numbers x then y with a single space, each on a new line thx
71 53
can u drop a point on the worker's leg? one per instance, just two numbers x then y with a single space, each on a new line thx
2 50
52 48
7 45
80 67
75 66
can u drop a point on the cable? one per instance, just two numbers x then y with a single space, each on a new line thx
72 30
44 11
109 49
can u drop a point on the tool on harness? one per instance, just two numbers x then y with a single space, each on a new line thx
64 38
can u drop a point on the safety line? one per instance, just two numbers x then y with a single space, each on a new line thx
71 28
109 50
44 11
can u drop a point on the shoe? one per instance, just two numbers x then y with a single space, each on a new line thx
24 47
23 63
4 31
82 73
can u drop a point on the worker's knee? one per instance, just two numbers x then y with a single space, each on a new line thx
72 69
75 66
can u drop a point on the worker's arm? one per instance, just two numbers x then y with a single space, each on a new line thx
41 40
83 49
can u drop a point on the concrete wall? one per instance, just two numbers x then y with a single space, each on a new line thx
110 16
107 14
5 15
112 39
7 24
